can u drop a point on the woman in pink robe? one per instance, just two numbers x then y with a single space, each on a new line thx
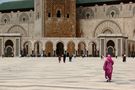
108 68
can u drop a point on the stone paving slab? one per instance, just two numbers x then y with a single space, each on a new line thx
80 74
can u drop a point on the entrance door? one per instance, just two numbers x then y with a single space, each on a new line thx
110 48
60 49
111 51
9 52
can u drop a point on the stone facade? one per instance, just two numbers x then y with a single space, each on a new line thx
60 18
52 29
115 21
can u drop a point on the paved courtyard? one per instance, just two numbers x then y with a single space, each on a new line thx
80 74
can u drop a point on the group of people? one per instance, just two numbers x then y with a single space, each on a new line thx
64 58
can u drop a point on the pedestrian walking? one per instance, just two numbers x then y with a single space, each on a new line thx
124 57
70 57
108 68
64 57
59 58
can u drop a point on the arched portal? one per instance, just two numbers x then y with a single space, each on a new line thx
111 48
71 48
49 49
92 51
27 49
9 50
59 48
107 27
17 29
81 49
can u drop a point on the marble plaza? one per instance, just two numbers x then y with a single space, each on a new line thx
80 74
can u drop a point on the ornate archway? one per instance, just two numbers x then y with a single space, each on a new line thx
27 50
17 29
49 48
71 48
110 48
9 48
107 26
59 49
81 49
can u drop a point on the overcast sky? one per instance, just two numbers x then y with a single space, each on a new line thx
1 1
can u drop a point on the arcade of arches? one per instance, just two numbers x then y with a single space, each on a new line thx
55 49
107 45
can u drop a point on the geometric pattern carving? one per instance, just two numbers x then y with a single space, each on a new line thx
23 18
5 19
18 29
85 13
107 26
112 12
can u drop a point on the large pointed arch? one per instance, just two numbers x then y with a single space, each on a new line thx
81 48
17 29
107 25
27 48
49 48
71 48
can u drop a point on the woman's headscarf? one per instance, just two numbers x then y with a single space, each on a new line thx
109 57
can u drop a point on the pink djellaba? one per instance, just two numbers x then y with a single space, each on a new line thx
108 67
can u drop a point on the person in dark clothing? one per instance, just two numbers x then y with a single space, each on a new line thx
59 58
70 58
64 57
124 57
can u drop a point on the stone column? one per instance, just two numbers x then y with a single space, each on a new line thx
76 49
126 46
65 47
54 49
32 46
121 47
102 47
17 47
3 47
14 47
116 47
0 47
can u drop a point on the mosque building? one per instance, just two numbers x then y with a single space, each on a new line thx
75 27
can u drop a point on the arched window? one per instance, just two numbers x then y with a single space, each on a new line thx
112 12
49 14
5 19
24 17
87 13
58 14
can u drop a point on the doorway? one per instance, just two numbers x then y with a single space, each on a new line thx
59 49
110 48
9 51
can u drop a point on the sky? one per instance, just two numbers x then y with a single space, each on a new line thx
1 1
